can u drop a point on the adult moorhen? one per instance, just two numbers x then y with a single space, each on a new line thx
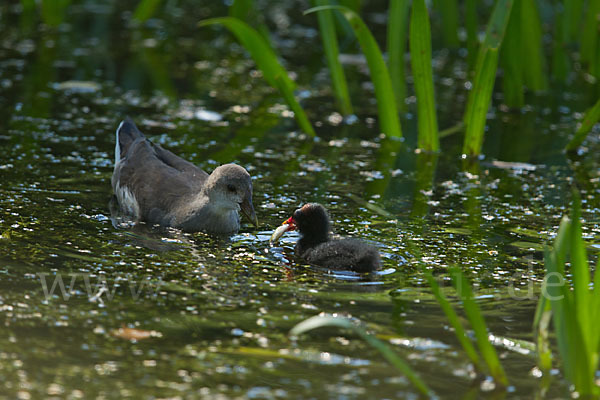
318 247
154 185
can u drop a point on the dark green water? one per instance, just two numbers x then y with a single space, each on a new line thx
220 310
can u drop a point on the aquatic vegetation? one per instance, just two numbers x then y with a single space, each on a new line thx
267 62
145 9
420 51
320 321
397 30
485 76
477 322
330 46
380 76
590 118
575 305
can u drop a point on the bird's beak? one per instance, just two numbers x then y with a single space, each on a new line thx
248 210
288 225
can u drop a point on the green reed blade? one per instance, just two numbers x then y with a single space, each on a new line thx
472 27
532 49
541 331
576 334
572 18
420 57
53 11
485 75
448 9
267 62
561 64
319 321
590 118
590 32
488 353
386 101
581 275
512 61
145 10
240 9
397 31
454 320
330 45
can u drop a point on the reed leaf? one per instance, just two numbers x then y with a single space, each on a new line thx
472 28
512 62
320 321
572 18
397 31
573 305
590 118
560 59
485 75
590 33
267 62
488 353
454 320
240 9
145 10
541 331
53 11
386 101
330 45
532 54
448 10
420 57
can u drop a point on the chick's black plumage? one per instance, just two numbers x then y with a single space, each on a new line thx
318 247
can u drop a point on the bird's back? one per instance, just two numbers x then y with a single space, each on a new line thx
157 179
341 254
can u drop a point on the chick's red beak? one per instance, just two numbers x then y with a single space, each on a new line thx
288 225
291 224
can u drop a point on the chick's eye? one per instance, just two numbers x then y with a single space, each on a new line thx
231 188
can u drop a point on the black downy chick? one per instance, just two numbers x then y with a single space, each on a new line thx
318 247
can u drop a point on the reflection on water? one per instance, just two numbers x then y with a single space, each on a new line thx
222 307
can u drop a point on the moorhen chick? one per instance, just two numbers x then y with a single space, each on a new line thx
318 247
154 185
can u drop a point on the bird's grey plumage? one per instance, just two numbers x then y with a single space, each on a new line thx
154 185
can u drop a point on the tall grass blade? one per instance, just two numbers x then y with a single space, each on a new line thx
576 333
541 331
534 64
591 117
485 74
341 322
560 59
420 57
472 28
449 11
512 62
386 101
267 62
572 18
330 45
590 33
145 9
477 322
454 320
397 32
240 9
53 11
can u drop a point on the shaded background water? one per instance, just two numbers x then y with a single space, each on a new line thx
219 310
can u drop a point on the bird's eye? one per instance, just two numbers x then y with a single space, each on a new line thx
231 188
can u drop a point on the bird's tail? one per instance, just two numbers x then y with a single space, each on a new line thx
127 133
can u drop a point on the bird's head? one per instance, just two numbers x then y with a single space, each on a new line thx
311 220
229 187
